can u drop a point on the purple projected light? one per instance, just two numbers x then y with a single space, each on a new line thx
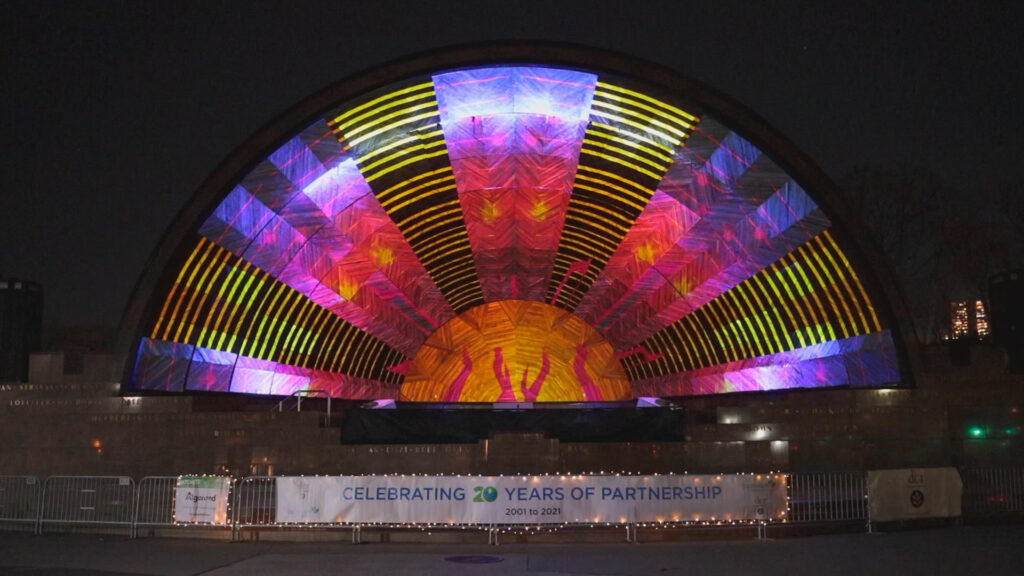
340 265
867 360
693 253
514 136
730 234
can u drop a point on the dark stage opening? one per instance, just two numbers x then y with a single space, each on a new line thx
424 423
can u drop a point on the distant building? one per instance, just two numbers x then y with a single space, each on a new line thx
969 319
960 325
981 320
21 326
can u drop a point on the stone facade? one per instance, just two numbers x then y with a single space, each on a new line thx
79 425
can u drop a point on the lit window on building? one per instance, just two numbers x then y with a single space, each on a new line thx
960 320
981 319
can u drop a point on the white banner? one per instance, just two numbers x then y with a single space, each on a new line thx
202 499
914 493
529 499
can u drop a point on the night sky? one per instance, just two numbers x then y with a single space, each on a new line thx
114 113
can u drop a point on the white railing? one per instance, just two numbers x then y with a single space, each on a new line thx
19 500
827 497
298 395
254 503
154 502
91 500
993 491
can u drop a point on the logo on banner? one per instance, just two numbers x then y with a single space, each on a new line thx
529 499
485 494
917 498
916 481
314 503
201 499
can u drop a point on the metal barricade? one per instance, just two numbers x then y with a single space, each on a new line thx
253 504
827 496
155 503
97 501
103 501
19 501
993 491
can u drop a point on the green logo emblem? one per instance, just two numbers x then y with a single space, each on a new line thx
485 494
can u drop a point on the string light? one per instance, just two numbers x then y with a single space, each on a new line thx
530 529
227 504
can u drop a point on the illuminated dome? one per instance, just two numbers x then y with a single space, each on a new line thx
516 351
511 223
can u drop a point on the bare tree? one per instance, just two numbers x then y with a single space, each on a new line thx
903 210
942 245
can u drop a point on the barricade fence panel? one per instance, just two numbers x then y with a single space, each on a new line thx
155 501
254 502
182 501
95 500
19 500
827 496
993 491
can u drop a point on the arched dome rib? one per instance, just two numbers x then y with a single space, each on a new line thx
397 205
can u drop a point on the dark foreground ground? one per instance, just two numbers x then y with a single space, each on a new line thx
987 550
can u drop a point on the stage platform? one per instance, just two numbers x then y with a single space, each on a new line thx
415 423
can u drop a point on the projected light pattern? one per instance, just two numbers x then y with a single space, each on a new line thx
867 360
401 149
514 137
516 351
627 148
514 233
330 240
222 310
798 302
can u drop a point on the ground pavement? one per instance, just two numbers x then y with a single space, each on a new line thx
987 550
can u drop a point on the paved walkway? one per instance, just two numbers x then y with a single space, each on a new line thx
989 550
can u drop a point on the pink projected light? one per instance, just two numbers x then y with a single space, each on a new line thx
699 237
354 262
254 376
307 218
868 360
630 274
514 137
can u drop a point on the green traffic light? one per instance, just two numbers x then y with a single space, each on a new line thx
977 431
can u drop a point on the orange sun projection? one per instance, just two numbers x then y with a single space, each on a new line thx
515 351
